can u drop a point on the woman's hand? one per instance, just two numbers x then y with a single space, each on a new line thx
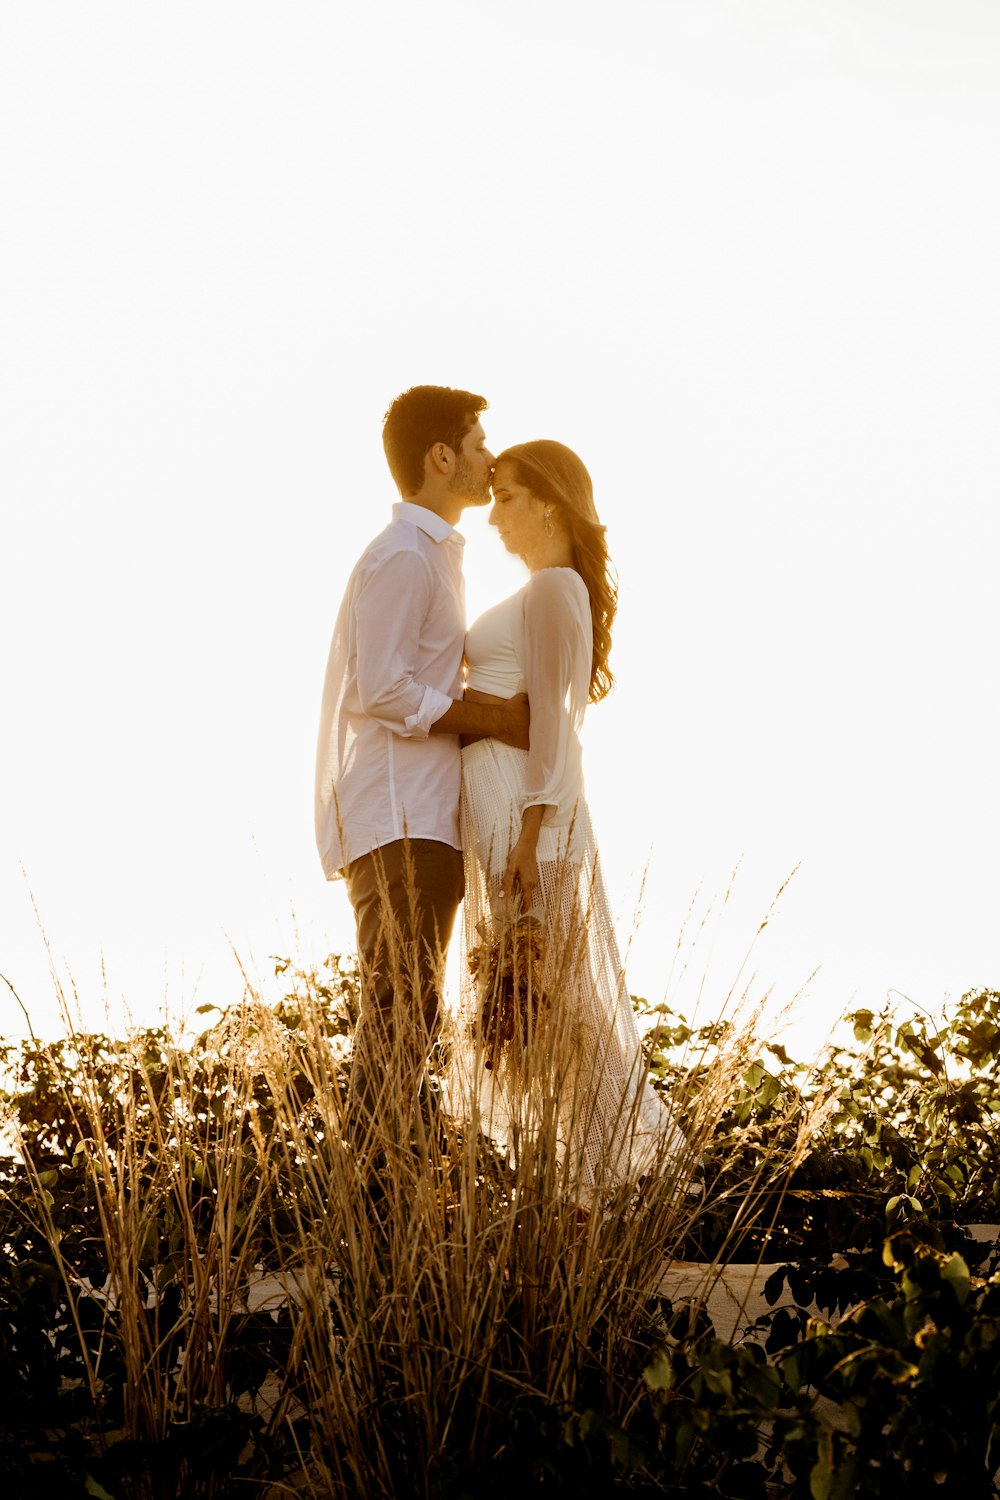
522 872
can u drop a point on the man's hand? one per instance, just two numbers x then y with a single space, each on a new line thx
516 718
495 720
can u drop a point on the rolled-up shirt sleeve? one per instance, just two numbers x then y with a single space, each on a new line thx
557 654
390 608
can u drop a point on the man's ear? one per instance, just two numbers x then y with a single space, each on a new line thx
440 459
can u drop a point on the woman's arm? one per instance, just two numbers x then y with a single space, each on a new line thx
557 638
522 866
557 651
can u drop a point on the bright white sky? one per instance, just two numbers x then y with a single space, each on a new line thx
742 256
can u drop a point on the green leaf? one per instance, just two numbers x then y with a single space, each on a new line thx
820 1481
889 1257
659 1373
97 1490
821 1473
862 1025
956 1273
846 1482
719 1381
627 1453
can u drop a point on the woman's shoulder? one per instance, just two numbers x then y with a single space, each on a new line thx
556 587
555 581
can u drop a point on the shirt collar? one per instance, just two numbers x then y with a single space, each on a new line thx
428 520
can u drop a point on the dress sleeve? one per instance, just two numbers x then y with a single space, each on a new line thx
558 644
390 608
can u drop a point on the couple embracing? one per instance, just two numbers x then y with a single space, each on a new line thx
449 769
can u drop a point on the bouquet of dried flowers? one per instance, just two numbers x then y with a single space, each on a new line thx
507 969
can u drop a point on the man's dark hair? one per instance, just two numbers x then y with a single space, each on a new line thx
419 418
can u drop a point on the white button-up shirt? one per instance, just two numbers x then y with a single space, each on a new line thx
395 666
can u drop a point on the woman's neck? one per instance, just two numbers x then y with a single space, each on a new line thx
551 552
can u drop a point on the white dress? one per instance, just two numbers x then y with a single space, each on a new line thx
613 1125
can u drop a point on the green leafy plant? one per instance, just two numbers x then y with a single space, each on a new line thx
903 1125
901 1395
214 1281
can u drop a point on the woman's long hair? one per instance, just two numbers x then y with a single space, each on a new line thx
553 473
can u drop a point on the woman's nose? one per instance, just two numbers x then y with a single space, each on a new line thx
492 518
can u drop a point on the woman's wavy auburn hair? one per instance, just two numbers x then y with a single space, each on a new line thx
553 473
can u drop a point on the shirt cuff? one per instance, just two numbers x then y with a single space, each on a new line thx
432 705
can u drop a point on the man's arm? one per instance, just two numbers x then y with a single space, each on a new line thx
390 607
488 721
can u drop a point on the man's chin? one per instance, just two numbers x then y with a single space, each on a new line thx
478 500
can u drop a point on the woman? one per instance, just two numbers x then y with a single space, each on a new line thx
530 858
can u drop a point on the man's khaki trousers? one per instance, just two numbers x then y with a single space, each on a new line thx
405 897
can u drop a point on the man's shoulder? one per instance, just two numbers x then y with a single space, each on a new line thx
400 538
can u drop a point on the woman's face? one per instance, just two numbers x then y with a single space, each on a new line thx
516 514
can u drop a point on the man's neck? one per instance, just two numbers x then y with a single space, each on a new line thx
448 507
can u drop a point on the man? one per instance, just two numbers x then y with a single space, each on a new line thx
388 772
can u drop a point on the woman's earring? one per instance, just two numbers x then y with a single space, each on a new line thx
550 530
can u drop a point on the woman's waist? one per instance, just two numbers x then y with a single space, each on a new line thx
491 769
493 684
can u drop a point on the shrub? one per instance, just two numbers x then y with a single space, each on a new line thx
903 1125
446 1326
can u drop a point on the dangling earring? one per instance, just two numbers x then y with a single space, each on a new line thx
550 530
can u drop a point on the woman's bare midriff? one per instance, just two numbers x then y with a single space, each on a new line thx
473 695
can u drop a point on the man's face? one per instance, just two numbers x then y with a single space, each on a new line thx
473 468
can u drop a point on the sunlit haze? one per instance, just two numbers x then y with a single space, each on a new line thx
742 258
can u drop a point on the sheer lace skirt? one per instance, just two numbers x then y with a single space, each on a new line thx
576 1061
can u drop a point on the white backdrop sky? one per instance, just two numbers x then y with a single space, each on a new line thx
742 256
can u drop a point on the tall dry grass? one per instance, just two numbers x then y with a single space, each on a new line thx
445 1300
174 1180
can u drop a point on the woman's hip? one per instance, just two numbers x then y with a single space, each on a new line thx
493 784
